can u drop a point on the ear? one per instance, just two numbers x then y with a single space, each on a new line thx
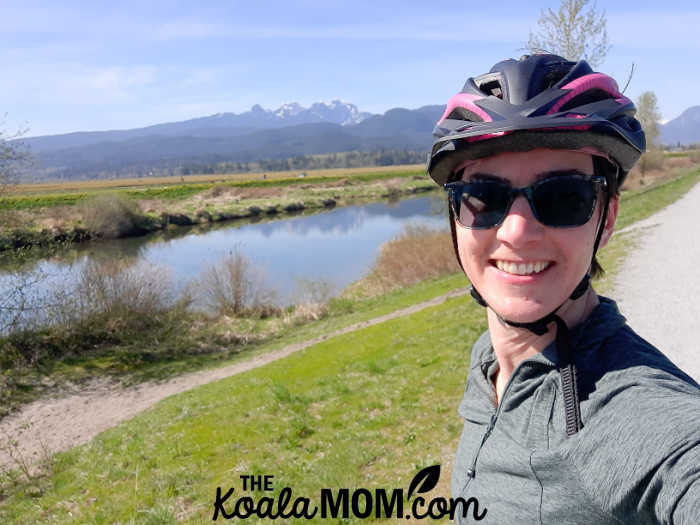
609 221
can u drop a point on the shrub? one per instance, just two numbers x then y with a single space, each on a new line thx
235 287
417 254
113 302
111 215
651 160
115 295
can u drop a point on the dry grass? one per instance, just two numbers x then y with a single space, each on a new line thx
59 218
417 254
658 170
110 215
15 219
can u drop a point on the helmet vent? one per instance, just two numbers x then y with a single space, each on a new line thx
490 84
492 88
587 97
460 113
554 75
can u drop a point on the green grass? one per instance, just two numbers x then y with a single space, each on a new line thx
177 345
367 409
183 191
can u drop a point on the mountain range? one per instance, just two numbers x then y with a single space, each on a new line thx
684 129
289 131
217 125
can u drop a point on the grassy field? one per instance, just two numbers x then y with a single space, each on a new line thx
25 196
367 409
141 182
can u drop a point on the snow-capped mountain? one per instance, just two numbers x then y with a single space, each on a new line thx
335 112
219 124
289 131
291 109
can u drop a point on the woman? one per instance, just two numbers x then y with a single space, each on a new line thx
570 417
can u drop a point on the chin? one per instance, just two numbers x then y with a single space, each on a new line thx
522 311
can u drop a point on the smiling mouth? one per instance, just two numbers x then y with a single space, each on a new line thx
522 268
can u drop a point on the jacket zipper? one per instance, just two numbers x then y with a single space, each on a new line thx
471 471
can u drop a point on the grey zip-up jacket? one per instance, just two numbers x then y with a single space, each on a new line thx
636 460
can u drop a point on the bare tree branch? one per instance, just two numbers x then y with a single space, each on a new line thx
13 157
572 33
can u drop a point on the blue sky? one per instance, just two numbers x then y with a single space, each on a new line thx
78 66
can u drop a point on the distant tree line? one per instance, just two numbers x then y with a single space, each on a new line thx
177 167
348 159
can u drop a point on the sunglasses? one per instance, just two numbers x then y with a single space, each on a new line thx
562 200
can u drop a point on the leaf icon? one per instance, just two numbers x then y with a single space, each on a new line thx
426 478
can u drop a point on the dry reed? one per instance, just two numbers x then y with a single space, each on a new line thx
418 253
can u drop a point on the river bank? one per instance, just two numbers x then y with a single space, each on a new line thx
52 216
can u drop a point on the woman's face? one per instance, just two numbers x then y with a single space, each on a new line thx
502 261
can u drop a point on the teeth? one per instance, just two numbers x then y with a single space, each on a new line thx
521 268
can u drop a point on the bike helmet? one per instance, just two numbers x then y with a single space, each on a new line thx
541 101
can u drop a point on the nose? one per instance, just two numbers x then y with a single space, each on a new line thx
520 226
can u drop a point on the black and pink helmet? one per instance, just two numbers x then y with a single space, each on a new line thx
539 101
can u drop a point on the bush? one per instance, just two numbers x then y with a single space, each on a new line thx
651 160
112 302
417 254
111 215
234 287
115 295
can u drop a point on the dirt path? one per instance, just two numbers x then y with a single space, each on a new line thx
52 425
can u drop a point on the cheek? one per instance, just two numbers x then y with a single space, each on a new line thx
471 245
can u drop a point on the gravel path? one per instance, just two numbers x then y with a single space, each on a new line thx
51 425
658 288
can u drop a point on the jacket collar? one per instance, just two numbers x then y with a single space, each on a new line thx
479 401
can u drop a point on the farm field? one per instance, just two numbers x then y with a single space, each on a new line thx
147 182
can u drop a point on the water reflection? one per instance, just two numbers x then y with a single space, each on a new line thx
338 246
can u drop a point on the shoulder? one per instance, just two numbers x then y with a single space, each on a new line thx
623 381
626 360
640 446
609 351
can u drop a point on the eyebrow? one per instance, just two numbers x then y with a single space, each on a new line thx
544 175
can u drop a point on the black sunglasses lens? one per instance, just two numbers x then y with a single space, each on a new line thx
482 204
564 201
